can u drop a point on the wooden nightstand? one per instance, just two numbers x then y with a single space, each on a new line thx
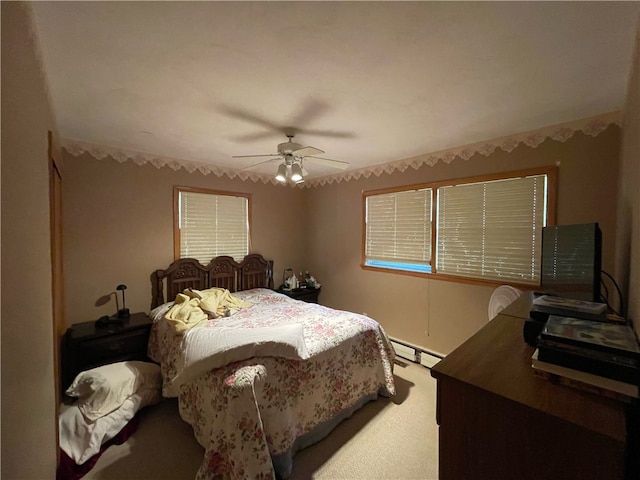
309 295
86 345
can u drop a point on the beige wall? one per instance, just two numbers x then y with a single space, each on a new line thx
118 228
628 247
28 398
436 314
123 231
119 220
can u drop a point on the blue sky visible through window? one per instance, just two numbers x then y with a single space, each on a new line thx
411 267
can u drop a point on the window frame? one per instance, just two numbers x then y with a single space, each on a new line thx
416 266
177 189
552 178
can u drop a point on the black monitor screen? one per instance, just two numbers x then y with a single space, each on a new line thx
571 257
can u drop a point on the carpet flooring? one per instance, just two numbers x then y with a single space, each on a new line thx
395 438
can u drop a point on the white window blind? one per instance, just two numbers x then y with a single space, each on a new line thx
398 230
212 225
492 230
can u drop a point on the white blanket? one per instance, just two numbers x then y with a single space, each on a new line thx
208 348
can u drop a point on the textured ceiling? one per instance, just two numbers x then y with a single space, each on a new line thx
367 82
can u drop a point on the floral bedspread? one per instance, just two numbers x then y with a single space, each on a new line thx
250 412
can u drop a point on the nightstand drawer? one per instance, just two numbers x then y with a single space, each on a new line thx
124 344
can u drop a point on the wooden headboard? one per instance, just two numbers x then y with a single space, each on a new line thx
222 272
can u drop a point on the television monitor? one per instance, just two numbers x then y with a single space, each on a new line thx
571 261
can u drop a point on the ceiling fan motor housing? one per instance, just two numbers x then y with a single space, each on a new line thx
288 147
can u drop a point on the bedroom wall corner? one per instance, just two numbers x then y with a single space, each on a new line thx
435 314
628 233
118 228
28 394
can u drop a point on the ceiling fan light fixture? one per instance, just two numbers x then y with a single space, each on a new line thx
281 176
296 172
292 156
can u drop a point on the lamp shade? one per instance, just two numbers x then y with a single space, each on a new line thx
296 172
281 176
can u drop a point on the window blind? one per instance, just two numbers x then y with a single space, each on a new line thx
398 228
212 225
492 229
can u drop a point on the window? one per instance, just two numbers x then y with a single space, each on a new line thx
493 229
398 226
488 229
209 223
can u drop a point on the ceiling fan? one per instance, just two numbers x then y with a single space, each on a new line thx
292 155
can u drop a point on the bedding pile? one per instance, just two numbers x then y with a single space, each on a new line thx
193 307
270 379
108 397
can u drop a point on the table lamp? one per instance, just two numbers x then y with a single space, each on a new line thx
123 312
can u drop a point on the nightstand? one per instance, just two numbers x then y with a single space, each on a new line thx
86 345
309 295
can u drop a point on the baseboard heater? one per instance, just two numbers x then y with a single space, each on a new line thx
415 354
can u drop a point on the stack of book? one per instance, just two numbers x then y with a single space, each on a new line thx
600 356
547 305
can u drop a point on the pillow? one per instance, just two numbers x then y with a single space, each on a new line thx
81 440
104 389
160 311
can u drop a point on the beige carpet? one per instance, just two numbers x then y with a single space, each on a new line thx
387 439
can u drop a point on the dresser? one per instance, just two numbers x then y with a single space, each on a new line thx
498 420
87 345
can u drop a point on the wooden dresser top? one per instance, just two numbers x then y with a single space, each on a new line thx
498 360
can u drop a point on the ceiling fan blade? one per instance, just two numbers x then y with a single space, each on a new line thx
328 162
250 117
259 163
326 133
307 151
251 156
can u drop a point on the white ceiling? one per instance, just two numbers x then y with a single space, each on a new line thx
367 82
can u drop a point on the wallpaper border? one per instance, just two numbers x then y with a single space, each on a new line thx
592 126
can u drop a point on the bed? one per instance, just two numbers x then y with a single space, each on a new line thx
253 406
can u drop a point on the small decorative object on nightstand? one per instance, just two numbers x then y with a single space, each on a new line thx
86 345
289 279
